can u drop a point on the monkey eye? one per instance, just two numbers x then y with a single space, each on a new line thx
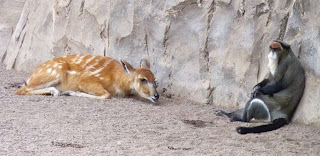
273 49
143 80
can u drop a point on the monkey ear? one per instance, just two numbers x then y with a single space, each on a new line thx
144 63
127 67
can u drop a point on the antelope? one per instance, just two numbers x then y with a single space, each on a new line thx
92 77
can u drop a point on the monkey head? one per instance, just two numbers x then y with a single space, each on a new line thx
278 49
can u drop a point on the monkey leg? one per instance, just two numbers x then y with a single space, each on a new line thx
256 109
276 124
233 116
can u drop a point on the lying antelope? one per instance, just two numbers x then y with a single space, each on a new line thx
91 76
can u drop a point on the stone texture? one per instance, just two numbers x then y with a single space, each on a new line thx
207 51
10 11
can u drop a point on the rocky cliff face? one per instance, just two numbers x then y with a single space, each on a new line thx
10 11
208 51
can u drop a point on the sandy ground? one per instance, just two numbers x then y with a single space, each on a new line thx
45 125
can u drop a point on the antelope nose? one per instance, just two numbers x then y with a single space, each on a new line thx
156 95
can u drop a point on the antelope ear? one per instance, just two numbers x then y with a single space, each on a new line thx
144 63
127 67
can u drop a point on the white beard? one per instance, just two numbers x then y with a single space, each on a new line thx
273 62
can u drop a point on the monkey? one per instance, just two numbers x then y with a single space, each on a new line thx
274 99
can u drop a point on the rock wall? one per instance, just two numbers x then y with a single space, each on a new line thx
10 11
207 51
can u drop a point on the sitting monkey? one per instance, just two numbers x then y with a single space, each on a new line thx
275 98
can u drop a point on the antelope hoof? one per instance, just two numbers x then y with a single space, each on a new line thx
69 93
55 92
108 96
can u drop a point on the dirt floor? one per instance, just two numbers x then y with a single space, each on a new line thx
45 125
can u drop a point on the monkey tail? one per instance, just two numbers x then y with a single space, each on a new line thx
263 128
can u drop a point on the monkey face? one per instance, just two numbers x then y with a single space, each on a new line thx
275 48
276 51
273 61
273 55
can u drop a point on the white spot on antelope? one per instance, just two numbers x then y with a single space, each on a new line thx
105 64
80 59
40 70
92 66
118 90
75 58
49 70
61 61
97 71
54 72
87 61
71 72
59 66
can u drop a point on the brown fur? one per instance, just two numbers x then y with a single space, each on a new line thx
276 45
94 75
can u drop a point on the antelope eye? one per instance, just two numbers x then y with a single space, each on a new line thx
143 80
156 83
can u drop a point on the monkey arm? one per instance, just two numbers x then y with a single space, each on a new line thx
281 69
256 88
278 78
272 88
263 83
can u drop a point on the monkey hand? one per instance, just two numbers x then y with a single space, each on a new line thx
260 90
255 90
